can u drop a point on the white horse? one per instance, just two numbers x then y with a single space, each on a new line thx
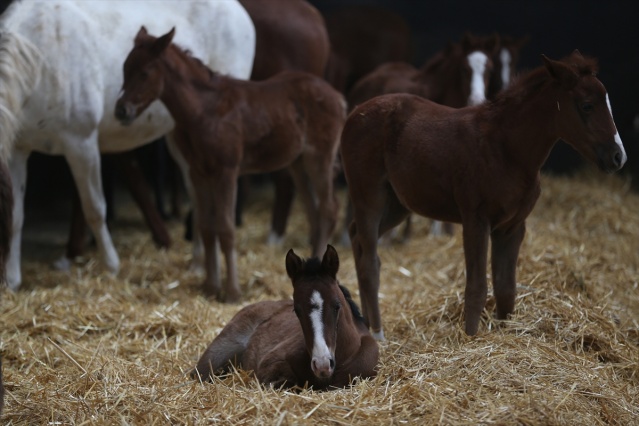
60 75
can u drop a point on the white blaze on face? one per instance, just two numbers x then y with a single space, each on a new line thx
477 62
505 59
321 353
624 157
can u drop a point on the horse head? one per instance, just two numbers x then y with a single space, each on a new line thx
143 77
584 113
477 65
318 303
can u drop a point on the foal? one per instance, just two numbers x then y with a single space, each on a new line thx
478 166
318 339
226 127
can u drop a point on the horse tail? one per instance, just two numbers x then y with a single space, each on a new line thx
6 217
20 72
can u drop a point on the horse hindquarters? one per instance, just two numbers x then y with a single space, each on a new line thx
229 346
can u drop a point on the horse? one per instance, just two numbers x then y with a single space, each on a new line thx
318 339
478 166
227 127
456 76
58 66
505 63
363 37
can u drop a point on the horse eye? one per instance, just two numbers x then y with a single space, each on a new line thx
587 107
336 308
297 311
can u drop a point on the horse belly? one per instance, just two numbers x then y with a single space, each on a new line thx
274 152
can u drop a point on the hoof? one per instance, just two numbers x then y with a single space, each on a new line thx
62 264
274 239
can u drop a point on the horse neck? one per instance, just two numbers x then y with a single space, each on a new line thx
523 127
183 82
20 71
440 75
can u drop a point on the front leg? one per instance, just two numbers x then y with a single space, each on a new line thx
505 251
205 210
475 235
224 190
363 364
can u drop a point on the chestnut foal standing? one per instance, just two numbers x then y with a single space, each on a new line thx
478 166
227 127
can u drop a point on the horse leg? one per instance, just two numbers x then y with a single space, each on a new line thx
139 189
319 172
224 197
84 162
204 210
18 170
475 236
198 247
6 221
505 251
374 213
362 364
303 187
284 196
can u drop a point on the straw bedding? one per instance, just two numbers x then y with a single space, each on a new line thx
88 348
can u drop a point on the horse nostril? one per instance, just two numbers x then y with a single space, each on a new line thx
617 159
332 363
120 111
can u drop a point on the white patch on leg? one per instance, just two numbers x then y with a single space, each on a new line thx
477 62
505 59
624 157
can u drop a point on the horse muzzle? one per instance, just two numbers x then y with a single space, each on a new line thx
323 367
612 159
125 112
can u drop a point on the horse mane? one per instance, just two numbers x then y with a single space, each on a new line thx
313 267
188 56
526 85
20 71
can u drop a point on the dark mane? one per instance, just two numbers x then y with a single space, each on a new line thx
196 61
357 314
528 84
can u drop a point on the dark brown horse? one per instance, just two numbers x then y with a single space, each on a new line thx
318 339
505 62
478 166
457 76
6 217
227 127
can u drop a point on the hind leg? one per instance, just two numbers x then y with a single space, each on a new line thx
374 211
505 251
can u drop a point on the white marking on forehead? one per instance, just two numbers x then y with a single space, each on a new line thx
624 157
477 62
320 348
505 59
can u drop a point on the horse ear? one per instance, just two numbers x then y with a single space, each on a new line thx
142 35
163 42
293 264
577 53
330 261
561 72
492 44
